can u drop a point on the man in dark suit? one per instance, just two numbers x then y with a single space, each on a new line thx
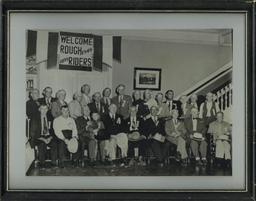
40 134
86 137
172 104
122 101
96 105
139 103
153 129
106 100
114 129
133 128
196 130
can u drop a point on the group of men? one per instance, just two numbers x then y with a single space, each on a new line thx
114 130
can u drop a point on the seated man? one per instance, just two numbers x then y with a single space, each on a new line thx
153 129
65 129
133 127
221 132
40 135
86 137
47 138
196 129
176 134
114 129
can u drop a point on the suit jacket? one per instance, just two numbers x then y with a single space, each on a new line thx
111 126
84 100
127 124
143 109
34 115
105 105
201 127
175 105
81 125
93 108
185 114
170 128
150 128
123 109
163 111
56 108
42 101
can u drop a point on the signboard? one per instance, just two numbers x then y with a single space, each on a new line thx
76 51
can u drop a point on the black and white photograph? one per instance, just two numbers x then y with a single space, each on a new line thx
129 102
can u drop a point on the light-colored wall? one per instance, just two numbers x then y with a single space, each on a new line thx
182 64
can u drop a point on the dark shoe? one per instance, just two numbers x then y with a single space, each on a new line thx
204 162
198 162
75 163
61 165
42 166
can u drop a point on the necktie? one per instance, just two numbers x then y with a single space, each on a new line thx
170 107
45 126
98 107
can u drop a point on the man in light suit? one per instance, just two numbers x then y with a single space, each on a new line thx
176 133
122 101
196 129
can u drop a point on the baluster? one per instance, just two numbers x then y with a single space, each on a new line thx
230 94
226 96
223 98
219 99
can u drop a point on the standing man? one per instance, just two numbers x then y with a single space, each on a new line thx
162 107
194 101
65 129
75 108
56 105
209 109
122 101
114 128
196 130
96 105
47 100
172 104
85 90
106 100
185 107
221 132
139 103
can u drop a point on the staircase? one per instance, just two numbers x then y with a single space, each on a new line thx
220 84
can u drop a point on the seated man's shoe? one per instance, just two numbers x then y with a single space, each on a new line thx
198 162
42 166
61 164
204 162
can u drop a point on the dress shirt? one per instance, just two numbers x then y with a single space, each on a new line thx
61 123
194 121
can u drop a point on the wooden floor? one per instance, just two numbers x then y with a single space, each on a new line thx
172 169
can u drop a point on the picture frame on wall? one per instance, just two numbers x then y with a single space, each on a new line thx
147 78
172 58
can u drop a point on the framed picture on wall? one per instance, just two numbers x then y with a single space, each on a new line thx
147 78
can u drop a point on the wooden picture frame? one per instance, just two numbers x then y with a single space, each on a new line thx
147 78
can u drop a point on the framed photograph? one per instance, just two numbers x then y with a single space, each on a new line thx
147 78
126 101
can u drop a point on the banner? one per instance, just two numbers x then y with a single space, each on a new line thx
76 51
